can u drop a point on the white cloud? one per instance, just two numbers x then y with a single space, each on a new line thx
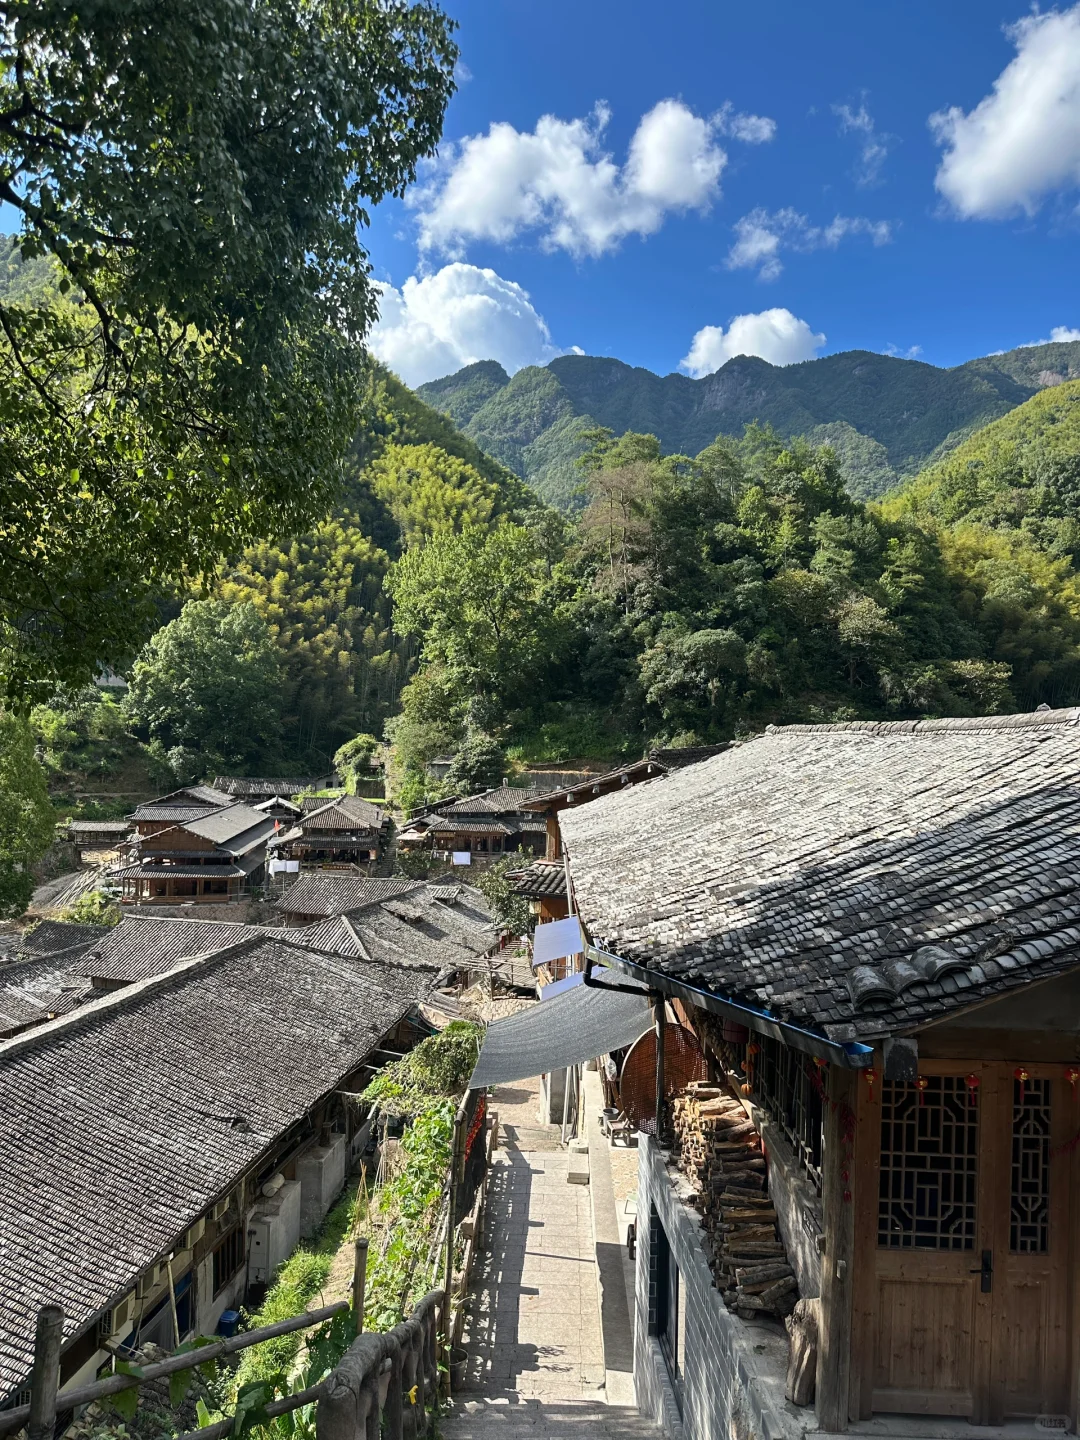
1022 141
750 129
775 335
911 353
559 182
873 146
759 238
435 325
1059 335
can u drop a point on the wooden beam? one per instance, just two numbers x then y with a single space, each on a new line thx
45 1380
837 1266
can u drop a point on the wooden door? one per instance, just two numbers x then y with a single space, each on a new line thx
1030 1349
974 1258
933 1316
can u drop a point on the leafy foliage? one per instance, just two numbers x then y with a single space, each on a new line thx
508 907
196 378
26 817
435 1070
93 908
206 689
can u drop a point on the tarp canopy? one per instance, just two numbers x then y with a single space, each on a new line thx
568 1029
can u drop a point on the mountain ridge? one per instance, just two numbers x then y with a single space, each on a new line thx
887 417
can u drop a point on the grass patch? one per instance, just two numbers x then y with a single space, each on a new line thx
297 1282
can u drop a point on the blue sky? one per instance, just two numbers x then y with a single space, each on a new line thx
777 162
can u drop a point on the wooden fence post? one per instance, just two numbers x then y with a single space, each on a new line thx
45 1378
359 1280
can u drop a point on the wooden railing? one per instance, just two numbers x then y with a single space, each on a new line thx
381 1386
384 1382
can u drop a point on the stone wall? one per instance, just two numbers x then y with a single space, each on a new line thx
734 1370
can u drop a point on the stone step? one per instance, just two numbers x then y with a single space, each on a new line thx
544 1420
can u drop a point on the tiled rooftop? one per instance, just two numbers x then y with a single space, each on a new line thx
860 879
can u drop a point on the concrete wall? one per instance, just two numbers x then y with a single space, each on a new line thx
734 1370
276 1222
321 1173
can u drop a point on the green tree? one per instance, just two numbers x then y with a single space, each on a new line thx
479 764
93 908
477 601
207 688
27 823
200 175
355 760
508 907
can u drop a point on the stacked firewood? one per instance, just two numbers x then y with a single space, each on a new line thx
719 1151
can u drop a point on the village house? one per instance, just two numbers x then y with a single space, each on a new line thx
214 857
477 829
256 790
870 934
345 831
197 1130
191 802
447 925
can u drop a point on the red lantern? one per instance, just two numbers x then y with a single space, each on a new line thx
871 1081
922 1085
972 1082
1072 1075
1021 1074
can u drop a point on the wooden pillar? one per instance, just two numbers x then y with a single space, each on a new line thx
659 1010
837 1264
45 1379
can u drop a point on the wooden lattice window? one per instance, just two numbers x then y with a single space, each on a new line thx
1029 1199
929 1165
784 1086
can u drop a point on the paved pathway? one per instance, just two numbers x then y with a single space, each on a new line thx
534 1336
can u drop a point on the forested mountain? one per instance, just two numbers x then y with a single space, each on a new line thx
885 417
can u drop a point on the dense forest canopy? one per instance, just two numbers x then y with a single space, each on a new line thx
885 417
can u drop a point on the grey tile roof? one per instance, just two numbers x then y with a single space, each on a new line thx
142 946
247 786
350 812
186 872
58 937
100 827
502 800
585 788
336 892
542 878
473 825
223 1056
172 814
238 822
860 879
36 988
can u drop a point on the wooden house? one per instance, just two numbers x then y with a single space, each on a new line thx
214 857
874 932
191 802
253 790
347 830
543 883
478 828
